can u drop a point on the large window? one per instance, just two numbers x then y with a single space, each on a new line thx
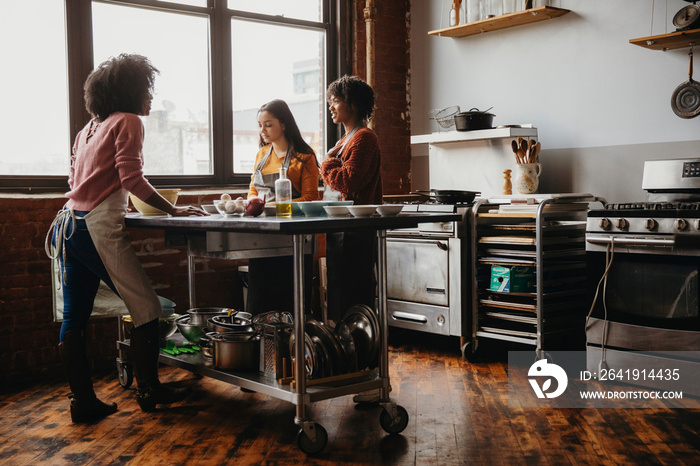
284 63
34 127
178 130
220 60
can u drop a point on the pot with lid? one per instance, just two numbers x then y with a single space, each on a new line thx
474 119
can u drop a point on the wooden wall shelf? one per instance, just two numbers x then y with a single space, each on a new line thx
672 41
510 20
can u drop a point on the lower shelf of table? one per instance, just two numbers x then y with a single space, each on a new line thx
265 384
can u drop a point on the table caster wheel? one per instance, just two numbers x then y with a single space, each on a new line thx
312 447
124 372
394 425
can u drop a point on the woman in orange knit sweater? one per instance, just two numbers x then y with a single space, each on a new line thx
352 167
281 145
351 170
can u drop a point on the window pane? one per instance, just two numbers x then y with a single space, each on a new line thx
296 75
178 130
202 3
310 10
34 125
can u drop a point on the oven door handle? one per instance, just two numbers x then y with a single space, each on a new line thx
398 315
632 241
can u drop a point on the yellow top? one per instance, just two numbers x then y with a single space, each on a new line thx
302 173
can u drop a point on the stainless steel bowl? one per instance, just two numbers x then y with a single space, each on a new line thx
200 315
191 332
166 327
233 323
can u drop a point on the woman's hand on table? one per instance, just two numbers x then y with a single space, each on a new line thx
187 210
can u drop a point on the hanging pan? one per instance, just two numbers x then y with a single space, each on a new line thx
685 100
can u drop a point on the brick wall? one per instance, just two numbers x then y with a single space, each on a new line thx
392 79
27 330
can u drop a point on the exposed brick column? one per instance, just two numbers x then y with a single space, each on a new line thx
392 80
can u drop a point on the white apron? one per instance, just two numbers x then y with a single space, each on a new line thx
105 224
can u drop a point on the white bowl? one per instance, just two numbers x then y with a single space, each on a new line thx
389 210
362 210
339 202
336 210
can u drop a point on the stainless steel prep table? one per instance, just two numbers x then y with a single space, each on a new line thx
201 232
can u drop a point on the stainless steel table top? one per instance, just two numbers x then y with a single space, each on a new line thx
293 225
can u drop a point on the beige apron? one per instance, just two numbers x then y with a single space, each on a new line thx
107 230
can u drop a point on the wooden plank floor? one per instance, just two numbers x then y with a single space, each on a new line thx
458 411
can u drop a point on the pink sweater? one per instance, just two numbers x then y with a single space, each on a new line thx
107 159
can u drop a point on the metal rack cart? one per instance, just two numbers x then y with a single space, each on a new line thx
239 237
539 249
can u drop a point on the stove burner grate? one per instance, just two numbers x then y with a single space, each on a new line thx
654 206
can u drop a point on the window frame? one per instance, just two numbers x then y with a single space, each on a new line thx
79 50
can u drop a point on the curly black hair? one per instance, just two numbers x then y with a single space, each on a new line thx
121 84
354 92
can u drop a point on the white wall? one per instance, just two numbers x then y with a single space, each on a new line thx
601 105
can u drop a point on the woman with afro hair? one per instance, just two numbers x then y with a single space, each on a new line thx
89 237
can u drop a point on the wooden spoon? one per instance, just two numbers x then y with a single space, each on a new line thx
537 149
523 148
516 150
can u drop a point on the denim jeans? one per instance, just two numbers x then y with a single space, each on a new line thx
82 271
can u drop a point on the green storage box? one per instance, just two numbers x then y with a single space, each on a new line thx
516 279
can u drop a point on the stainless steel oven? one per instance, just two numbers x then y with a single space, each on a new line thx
644 269
428 273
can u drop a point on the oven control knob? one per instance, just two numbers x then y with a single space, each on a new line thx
604 224
441 320
650 224
622 224
680 224
697 224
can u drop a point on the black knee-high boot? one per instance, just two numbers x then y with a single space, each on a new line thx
144 355
84 405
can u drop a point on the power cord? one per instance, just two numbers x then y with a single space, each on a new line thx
609 254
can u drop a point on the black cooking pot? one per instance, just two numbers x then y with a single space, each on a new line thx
450 196
474 119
